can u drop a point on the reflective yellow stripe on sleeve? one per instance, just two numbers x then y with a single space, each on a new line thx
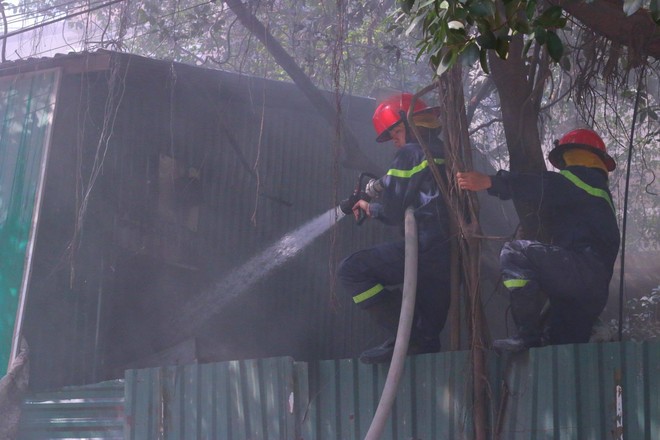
411 172
368 294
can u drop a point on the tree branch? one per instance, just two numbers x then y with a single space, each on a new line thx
352 156
485 90
606 17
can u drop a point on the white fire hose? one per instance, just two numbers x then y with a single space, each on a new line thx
403 332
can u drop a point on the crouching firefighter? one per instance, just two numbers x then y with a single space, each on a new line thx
373 276
572 270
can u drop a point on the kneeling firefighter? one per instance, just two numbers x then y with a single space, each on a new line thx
572 269
372 276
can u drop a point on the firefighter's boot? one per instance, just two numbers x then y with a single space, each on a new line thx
379 354
386 313
383 352
526 307
517 343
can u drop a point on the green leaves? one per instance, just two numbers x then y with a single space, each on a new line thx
406 5
487 39
540 35
502 48
468 29
483 60
446 61
551 18
555 46
481 8
470 54
655 11
414 24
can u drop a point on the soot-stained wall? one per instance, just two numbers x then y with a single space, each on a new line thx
165 179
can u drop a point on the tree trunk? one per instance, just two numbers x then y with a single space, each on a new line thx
520 116
459 157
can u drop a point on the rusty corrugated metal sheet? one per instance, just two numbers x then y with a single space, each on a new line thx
560 392
92 411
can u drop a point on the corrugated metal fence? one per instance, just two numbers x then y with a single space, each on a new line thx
89 412
582 392
229 400
587 391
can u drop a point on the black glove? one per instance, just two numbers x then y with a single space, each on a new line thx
346 205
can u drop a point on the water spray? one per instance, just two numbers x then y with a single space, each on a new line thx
212 300
241 279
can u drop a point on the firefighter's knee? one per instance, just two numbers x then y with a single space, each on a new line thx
514 263
347 271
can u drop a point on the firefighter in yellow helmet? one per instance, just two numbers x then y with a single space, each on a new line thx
573 270
371 276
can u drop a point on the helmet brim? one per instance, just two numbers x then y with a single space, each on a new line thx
557 160
385 135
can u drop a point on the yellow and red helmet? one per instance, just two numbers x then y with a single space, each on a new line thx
581 138
388 113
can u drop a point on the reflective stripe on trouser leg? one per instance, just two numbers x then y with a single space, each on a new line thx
575 282
510 284
526 305
365 273
516 268
361 297
527 300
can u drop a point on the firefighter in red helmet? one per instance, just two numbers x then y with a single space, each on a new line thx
372 276
571 271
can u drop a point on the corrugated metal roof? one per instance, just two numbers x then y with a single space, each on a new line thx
92 411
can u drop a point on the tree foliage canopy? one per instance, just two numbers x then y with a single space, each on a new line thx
468 29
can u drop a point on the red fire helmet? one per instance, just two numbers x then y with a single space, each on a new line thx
581 138
388 113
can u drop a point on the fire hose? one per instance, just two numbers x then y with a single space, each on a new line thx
407 303
403 332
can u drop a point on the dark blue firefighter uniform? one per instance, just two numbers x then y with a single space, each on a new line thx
573 271
366 273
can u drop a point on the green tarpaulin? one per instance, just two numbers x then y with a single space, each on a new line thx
27 104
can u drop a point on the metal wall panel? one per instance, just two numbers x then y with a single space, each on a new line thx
89 412
103 300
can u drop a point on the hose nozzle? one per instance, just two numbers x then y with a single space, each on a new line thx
346 205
